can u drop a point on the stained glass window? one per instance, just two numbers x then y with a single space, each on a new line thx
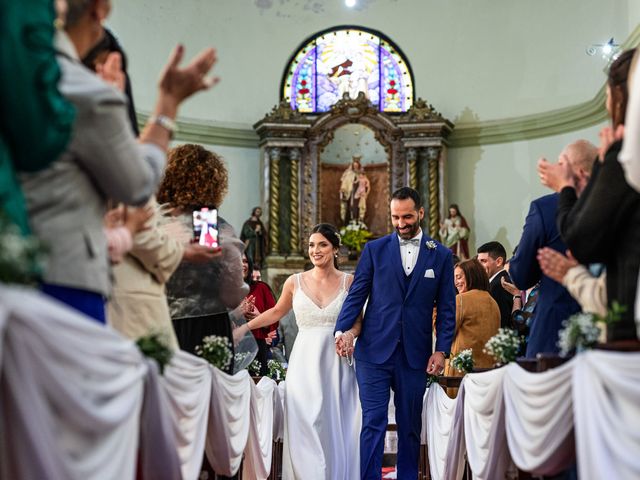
348 61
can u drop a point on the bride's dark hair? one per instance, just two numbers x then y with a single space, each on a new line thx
329 232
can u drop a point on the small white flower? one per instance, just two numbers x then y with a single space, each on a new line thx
431 245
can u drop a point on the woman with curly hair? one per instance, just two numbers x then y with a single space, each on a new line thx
201 295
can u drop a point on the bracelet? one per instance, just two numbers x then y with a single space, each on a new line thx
165 122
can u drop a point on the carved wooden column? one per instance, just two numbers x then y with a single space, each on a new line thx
433 156
412 164
274 200
294 157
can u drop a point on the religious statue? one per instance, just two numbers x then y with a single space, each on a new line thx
454 232
354 190
254 235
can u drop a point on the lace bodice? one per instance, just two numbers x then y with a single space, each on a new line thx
309 314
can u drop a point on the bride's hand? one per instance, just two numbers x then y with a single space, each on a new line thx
239 333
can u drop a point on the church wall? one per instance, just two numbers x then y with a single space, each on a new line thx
494 184
475 61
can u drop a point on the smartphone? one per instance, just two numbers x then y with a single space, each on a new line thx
205 227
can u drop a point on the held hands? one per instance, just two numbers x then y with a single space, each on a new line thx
435 365
345 344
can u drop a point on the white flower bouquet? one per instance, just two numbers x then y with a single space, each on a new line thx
254 368
276 370
579 333
463 361
354 235
504 346
216 350
21 257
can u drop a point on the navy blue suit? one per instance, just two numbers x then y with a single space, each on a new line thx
395 343
554 302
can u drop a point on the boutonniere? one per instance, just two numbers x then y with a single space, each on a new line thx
431 245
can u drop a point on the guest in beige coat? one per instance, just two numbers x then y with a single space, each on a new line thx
477 315
138 305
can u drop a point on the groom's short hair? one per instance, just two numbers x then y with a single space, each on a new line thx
407 192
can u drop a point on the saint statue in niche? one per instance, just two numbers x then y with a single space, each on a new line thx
254 236
354 190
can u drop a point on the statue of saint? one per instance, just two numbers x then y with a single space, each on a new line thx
254 235
354 190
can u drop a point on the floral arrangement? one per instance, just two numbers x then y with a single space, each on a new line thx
463 361
254 368
504 345
579 333
216 350
155 346
21 257
354 235
431 379
276 370
581 330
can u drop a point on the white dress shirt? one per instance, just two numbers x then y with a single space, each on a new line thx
409 254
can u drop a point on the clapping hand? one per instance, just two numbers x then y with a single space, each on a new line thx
609 136
111 71
556 176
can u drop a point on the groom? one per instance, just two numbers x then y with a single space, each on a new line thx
404 276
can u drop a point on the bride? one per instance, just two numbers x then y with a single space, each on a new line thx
322 412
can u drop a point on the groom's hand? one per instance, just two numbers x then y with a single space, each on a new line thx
435 366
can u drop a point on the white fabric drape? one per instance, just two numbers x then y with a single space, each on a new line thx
539 418
454 458
437 418
159 458
71 393
228 427
187 381
278 412
606 399
257 459
485 436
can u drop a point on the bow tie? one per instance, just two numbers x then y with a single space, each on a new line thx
413 241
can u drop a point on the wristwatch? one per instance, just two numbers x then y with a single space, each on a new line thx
165 122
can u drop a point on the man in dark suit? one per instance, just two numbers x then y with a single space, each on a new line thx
403 275
555 304
493 257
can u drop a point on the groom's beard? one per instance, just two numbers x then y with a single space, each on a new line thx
411 232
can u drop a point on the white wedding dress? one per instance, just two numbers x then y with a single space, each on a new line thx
322 410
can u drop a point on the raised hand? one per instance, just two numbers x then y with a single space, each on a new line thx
111 71
555 265
177 84
556 176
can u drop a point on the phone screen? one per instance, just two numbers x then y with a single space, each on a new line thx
205 227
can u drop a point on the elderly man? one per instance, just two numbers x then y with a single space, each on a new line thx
555 304
67 201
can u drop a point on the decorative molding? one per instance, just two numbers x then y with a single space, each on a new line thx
470 134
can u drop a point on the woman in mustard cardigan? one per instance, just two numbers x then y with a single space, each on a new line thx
477 315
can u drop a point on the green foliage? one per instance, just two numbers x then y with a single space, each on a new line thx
504 346
463 361
155 346
354 235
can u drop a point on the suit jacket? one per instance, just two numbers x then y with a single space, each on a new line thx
603 226
503 298
477 320
555 304
67 201
398 311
